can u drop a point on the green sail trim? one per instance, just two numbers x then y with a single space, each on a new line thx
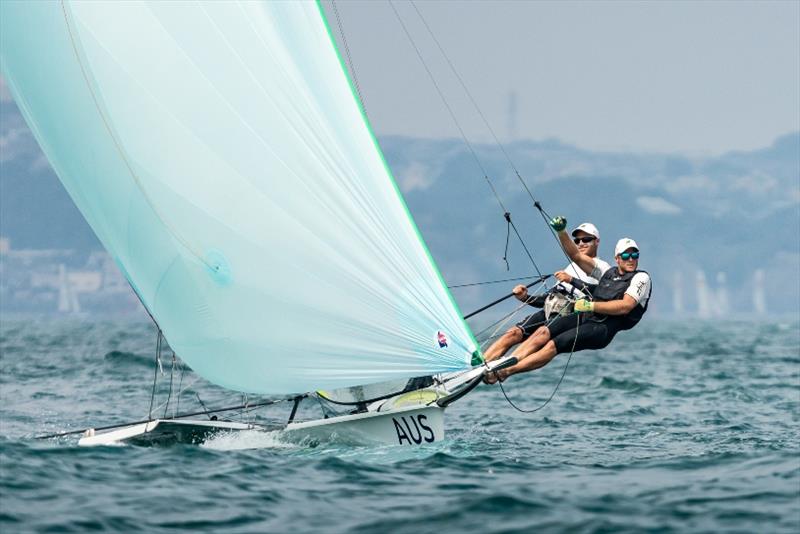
394 181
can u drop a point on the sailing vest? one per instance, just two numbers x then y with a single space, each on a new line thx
613 286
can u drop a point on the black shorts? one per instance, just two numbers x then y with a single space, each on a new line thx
591 334
530 323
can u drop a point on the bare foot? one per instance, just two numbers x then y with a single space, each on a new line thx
495 376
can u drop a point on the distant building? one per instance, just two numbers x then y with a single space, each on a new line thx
759 299
677 292
722 304
703 300
62 281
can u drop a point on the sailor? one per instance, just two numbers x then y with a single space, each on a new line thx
619 302
586 239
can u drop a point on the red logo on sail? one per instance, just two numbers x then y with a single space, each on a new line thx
442 339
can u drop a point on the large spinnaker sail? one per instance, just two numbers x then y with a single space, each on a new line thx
217 150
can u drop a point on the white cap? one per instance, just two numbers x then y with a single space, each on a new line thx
624 244
587 227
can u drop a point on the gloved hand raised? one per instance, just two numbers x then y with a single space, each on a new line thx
558 223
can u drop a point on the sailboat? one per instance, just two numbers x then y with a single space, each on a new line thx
220 154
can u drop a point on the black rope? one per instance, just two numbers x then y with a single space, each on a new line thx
507 216
205 410
491 282
525 248
555 389
171 376
180 385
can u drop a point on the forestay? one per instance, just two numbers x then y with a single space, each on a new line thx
218 151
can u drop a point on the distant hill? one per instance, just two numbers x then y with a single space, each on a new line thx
733 213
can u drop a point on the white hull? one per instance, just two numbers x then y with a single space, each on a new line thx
410 419
160 431
410 426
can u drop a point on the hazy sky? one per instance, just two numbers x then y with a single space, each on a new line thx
697 77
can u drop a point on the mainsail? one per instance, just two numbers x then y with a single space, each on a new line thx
218 152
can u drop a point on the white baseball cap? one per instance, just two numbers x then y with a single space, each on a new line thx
587 227
624 244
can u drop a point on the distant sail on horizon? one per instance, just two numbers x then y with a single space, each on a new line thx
220 155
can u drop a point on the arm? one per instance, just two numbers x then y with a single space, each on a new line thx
521 294
616 307
585 262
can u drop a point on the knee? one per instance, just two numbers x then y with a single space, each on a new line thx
549 350
542 333
513 335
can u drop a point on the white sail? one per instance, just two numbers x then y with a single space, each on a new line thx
218 151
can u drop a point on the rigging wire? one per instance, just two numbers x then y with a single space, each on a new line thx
506 213
349 58
500 145
558 384
180 391
171 377
464 86
491 282
155 372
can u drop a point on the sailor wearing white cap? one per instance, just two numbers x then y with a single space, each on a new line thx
586 238
618 303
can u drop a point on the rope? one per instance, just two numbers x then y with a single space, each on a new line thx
500 145
555 389
464 86
171 376
501 321
508 236
490 282
155 373
506 213
349 58
180 391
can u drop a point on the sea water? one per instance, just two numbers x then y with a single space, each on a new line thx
676 427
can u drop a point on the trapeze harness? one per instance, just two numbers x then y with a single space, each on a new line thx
596 330
613 286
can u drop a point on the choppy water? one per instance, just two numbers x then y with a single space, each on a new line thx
676 427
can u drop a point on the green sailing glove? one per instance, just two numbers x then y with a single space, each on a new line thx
558 223
584 306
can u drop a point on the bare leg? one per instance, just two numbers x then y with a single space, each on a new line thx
533 343
536 360
505 342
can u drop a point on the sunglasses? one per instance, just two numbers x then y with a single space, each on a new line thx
588 239
629 256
